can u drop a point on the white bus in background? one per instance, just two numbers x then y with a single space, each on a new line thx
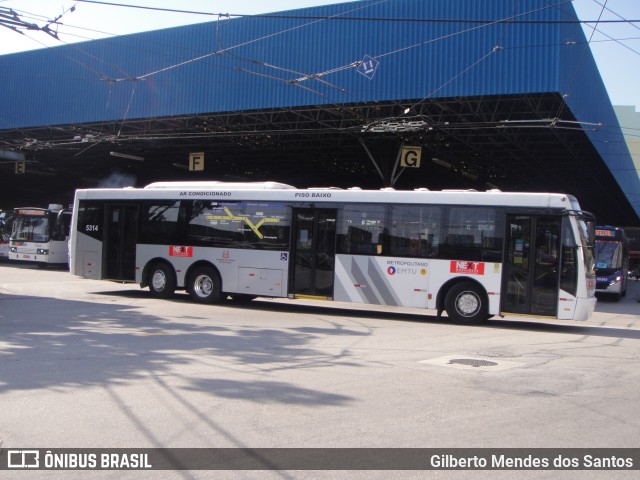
5 233
40 235
471 254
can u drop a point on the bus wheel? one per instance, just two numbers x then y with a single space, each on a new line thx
162 280
466 303
204 286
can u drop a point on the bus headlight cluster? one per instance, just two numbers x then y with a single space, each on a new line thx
615 280
42 251
14 249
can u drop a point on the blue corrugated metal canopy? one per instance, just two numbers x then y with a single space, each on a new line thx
502 94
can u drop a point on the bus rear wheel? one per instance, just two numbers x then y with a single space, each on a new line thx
466 303
205 286
162 280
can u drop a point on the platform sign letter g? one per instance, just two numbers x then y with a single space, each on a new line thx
410 157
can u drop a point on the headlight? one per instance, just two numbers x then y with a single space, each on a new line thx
615 280
14 249
42 251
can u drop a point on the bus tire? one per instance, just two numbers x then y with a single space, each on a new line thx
204 285
467 303
162 280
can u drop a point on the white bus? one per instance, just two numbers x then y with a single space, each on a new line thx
5 233
40 235
471 254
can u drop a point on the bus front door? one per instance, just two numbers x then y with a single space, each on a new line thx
531 265
120 238
314 251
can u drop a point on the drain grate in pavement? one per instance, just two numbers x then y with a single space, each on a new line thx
461 361
472 362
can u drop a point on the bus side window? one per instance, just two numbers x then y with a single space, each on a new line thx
413 230
159 222
473 233
362 230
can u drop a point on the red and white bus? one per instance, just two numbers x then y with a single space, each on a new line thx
471 254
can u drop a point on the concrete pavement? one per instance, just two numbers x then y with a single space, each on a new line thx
97 364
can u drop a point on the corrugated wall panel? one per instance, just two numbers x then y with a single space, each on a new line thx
94 81
587 98
259 58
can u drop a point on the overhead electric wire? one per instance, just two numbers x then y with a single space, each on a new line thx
316 76
477 62
255 40
579 65
330 17
613 39
511 19
357 63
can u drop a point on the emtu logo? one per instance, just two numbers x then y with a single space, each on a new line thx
391 270
23 459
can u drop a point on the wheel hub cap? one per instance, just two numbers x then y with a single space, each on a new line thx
203 286
467 304
159 280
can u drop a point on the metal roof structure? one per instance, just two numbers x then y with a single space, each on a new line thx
496 95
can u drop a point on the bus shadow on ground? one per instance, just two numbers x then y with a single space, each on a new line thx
569 327
54 343
23 264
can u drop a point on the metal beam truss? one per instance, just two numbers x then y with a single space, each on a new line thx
510 142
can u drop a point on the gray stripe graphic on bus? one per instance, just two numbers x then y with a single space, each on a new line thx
382 285
358 276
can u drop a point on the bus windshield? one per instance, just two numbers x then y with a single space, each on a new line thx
589 259
30 229
609 254
5 229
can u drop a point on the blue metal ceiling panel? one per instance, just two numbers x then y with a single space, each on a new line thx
257 62
425 49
